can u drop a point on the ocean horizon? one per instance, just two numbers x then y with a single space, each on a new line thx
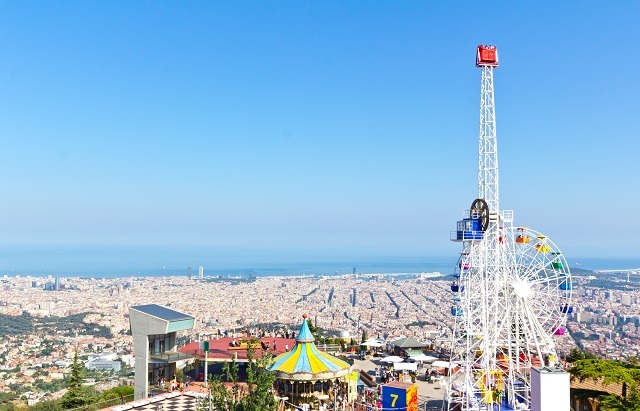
120 261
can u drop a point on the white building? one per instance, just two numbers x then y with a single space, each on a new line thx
625 299
101 364
201 272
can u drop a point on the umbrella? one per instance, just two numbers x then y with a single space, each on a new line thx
424 358
443 364
392 358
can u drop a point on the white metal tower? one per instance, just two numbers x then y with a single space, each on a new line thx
511 290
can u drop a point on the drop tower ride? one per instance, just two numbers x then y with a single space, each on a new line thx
511 291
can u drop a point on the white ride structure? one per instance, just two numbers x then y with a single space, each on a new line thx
511 291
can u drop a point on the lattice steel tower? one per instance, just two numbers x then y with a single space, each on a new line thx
511 290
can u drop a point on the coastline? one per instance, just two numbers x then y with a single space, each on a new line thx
121 262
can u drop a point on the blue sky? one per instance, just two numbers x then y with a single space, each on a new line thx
299 125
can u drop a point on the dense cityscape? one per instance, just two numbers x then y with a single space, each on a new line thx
54 317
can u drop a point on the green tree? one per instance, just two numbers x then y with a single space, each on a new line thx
77 395
364 337
260 382
256 395
5 401
9 406
46 406
222 398
611 371
315 331
614 403
113 396
577 354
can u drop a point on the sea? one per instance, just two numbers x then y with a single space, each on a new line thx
136 261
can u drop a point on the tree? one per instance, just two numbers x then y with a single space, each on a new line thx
256 395
315 331
113 396
614 403
221 398
577 354
5 401
611 371
364 337
8 406
77 395
259 382
46 406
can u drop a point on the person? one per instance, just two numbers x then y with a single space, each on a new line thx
274 345
121 398
286 347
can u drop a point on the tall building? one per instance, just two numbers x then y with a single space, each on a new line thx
57 283
201 272
154 329
189 272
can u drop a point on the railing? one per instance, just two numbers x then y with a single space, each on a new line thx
507 215
328 347
466 235
332 348
171 356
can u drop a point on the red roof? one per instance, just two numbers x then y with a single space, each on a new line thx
219 349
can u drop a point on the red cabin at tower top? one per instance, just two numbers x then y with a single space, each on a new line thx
487 56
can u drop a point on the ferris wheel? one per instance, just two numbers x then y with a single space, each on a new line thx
536 272
541 276
511 295
511 291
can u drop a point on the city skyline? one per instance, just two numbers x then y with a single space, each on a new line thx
315 128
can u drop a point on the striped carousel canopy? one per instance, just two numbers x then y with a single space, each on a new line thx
306 362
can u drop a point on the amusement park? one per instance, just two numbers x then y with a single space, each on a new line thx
305 206
511 294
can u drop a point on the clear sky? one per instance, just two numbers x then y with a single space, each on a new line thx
314 125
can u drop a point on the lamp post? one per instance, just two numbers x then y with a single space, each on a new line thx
205 347
206 359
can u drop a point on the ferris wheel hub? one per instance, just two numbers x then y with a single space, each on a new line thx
522 288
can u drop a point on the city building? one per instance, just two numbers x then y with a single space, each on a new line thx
154 330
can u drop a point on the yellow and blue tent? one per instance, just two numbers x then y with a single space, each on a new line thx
306 362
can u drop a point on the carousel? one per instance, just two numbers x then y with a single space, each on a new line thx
306 375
